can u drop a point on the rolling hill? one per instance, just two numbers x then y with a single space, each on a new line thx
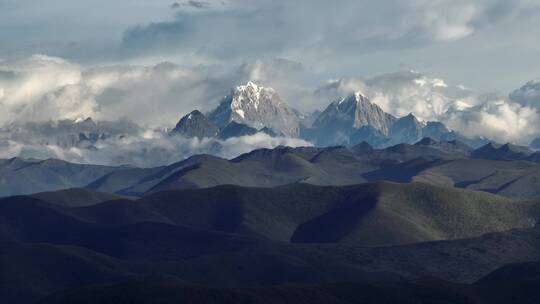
75 197
26 176
373 214
254 239
447 163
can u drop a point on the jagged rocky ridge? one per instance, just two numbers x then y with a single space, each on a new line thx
354 119
250 109
256 107
195 124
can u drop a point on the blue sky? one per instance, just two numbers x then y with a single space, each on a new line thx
488 44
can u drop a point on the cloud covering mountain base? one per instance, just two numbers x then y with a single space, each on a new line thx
136 104
147 149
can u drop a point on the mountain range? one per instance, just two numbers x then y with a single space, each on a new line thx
508 170
347 121
247 110
250 109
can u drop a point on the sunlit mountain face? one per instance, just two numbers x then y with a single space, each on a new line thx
249 151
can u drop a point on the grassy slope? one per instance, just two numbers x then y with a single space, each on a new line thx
75 197
370 214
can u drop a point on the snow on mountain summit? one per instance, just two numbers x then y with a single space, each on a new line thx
257 107
355 111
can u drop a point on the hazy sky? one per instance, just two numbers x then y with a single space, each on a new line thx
491 45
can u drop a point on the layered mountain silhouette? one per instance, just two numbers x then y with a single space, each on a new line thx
507 170
506 151
24 176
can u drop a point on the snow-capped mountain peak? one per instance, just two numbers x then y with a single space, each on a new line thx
257 107
356 96
357 111
250 95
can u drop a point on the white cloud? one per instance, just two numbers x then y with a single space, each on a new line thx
404 92
41 88
448 37
42 97
497 119
149 150
233 30
446 20
461 109
528 95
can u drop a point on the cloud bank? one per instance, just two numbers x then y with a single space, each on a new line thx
149 148
502 119
245 27
134 105
43 88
